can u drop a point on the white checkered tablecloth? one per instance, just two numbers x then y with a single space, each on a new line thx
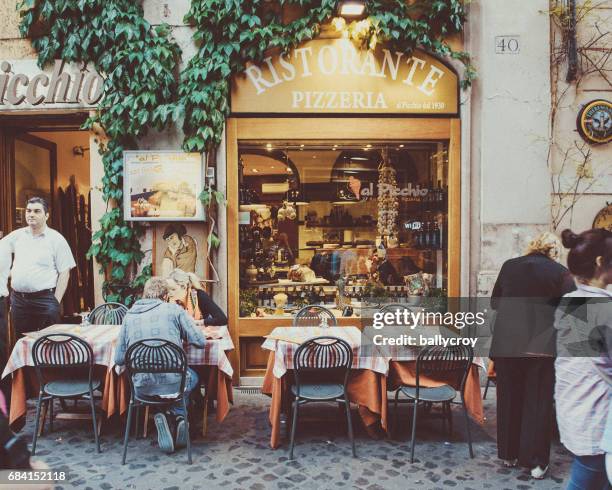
215 352
103 341
283 341
404 352
101 338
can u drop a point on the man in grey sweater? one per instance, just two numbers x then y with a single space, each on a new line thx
152 317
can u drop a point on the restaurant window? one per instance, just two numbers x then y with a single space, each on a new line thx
334 223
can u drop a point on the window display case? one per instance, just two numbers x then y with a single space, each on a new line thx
340 224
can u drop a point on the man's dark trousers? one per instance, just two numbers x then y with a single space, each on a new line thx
34 311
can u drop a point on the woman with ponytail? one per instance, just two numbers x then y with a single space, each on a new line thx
582 391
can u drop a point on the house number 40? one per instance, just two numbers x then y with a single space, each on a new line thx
507 45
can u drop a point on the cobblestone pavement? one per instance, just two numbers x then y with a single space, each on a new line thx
236 455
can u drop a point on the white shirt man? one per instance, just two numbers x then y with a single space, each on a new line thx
40 271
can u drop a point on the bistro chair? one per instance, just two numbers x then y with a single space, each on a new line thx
108 314
313 316
70 353
491 378
155 356
448 363
321 358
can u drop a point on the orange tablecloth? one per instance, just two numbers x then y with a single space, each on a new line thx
368 390
404 372
25 385
116 391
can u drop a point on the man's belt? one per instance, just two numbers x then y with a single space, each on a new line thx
36 294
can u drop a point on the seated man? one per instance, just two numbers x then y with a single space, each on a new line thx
152 317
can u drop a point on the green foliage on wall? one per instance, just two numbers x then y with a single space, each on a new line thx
228 33
139 63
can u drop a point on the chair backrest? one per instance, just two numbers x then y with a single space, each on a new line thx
449 363
156 356
330 354
312 316
108 314
61 350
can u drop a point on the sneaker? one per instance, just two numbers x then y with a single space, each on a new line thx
164 437
538 472
510 463
181 432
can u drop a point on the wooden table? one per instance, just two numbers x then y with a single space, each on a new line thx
372 374
212 360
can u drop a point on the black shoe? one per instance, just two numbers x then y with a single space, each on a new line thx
181 432
164 437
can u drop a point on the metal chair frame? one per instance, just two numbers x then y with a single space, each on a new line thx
490 379
155 356
62 350
322 354
441 361
101 314
319 313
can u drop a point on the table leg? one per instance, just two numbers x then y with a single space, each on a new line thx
205 416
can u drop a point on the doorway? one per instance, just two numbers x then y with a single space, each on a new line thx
48 156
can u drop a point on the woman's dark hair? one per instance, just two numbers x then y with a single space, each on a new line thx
266 232
179 229
585 248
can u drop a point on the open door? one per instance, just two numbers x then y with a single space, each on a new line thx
34 173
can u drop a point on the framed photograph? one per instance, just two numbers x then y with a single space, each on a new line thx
162 186
179 246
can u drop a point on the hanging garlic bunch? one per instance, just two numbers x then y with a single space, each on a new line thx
388 205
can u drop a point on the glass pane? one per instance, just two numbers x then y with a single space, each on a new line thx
32 176
332 223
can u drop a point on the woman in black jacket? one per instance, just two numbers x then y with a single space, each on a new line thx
525 296
185 289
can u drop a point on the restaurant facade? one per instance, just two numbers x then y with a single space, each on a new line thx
336 163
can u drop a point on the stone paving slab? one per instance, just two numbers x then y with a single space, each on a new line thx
236 455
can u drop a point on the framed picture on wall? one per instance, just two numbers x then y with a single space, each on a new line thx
162 186
179 246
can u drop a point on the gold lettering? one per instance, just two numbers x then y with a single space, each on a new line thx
350 59
302 52
333 56
290 73
388 62
415 61
297 97
331 100
432 79
255 74
275 78
369 65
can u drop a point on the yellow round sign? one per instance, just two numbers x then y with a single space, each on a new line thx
595 121
604 218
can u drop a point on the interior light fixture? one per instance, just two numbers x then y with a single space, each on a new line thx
351 8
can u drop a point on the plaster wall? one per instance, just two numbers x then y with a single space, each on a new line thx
510 104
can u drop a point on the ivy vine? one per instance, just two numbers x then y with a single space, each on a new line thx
229 33
139 65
